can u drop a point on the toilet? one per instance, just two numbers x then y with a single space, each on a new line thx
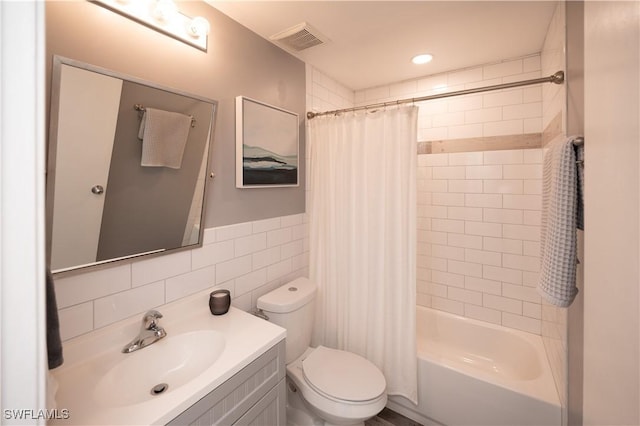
324 386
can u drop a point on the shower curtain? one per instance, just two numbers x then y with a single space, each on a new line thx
362 213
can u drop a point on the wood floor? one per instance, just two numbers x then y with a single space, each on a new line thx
389 417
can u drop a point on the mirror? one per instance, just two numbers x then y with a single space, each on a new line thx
115 190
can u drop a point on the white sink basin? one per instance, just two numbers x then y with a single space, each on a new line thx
159 368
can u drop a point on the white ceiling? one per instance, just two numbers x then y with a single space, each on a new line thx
371 43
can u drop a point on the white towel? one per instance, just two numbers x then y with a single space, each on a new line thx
164 135
557 282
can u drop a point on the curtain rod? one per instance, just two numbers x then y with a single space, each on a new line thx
557 78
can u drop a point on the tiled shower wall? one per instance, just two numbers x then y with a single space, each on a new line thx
478 212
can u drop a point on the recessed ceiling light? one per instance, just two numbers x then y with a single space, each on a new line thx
422 59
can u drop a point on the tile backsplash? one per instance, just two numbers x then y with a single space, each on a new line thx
249 259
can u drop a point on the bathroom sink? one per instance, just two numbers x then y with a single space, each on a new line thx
159 368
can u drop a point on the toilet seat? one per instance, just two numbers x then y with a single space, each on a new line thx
343 376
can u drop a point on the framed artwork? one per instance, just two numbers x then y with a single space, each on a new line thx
267 145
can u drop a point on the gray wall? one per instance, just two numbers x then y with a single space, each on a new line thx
238 62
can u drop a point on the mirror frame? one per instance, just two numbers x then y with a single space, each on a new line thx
50 172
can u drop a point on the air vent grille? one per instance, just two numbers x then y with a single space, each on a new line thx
299 37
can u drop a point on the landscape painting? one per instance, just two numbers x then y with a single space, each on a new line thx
266 145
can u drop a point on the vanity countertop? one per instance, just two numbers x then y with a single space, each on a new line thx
93 394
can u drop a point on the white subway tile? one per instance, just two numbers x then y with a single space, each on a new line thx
464 213
448 172
524 263
465 296
376 93
230 232
436 263
291 249
465 76
530 325
531 63
432 185
531 248
301 261
484 172
434 237
278 237
483 257
266 257
483 228
447 199
465 186
465 103
530 279
212 254
110 309
495 273
523 171
533 156
423 274
502 69
503 186
524 202
514 156
482 285
502 216
423 172
291 220
447 305
502 303
532 217
483 200
237 267
533 187
209 236
531 94
503 128
532 125
446 225
483 314
299 232
509 97
424 198
448 119
433 160
483 115
189 283
465 241
464 268
265 225
91 285
423 222
423 300
530 110
251 281
242 302
502 245
521 232
438 212
447 252
404 88
532 310
465 158
434 289
448 278
466 131
428 83
159 268
278 270
423 249
75 320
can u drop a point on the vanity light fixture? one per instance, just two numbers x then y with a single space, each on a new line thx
422 59
163 16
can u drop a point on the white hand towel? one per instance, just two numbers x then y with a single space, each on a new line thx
560 200
164 135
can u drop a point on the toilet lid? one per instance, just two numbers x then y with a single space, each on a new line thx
343 375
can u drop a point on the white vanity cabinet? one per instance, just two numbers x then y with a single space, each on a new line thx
256 395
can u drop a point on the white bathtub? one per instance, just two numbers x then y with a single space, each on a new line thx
475 373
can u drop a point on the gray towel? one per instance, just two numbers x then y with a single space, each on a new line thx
164 135
54 343
560 201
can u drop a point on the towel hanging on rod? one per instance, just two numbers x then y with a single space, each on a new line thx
141 109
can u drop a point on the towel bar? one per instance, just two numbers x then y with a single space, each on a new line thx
141 109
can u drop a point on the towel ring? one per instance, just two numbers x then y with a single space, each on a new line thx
140 108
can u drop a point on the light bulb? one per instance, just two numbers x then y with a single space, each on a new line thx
165 10
198 27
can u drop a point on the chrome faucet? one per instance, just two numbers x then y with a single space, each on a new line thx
150 332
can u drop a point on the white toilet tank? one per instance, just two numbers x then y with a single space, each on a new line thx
292 306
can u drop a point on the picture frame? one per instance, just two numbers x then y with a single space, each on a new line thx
267 145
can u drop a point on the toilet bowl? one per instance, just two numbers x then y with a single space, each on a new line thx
325 386
340 387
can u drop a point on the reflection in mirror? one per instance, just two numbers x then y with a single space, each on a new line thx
126 168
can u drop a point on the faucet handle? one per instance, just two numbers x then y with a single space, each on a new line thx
150 318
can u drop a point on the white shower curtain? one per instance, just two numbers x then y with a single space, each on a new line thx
362 182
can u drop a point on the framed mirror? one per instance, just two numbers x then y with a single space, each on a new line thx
127 166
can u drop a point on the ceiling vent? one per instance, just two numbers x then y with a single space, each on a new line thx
299 37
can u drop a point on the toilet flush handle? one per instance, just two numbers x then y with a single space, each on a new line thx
260 314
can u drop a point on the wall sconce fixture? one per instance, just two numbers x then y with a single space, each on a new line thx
163 16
